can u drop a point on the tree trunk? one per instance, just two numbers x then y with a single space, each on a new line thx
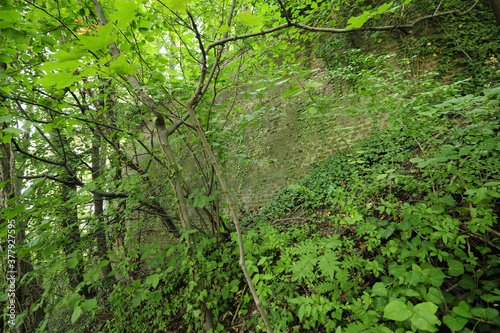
102 246
163 135
28 292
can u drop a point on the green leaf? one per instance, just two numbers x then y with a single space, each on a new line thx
292 90
462 310
13 130
434 295
281 82
18 35
454 323
106 36
312 84
70 57
379 289
312 110
76 314
251 19
305 265
73 300
357 22
179 5
136 301
493 193
72 262
223 29
301 312
153 280
121 67
397 310
456 268
449 200
103 263
491 92
60 79
424 318
485 313
89 304
6 118
436 276
125 13
490 298
328 264
12 16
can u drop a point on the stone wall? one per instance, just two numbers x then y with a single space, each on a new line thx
287 141
282 146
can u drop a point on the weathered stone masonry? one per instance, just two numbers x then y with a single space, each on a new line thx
287 143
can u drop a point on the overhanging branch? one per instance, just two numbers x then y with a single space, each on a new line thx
339 31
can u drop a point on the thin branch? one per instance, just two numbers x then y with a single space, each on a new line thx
55 18
19 149
287 17
338 31
198 37
437 9
62 181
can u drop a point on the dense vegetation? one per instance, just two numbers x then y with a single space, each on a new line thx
396 233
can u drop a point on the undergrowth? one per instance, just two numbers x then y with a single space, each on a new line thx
398 233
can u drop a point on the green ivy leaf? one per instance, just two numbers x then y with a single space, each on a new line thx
454 323
436 276
397 310
462 310
424 318
485 313
434 295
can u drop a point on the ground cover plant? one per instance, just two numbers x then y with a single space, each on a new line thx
397 234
